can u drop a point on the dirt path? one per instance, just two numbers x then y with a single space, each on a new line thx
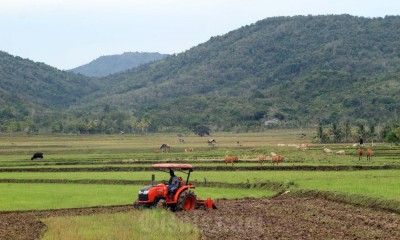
284 217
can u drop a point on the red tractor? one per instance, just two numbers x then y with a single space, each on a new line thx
161 195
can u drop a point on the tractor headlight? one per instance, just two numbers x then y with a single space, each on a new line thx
143 192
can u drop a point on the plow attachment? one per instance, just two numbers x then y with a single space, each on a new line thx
206 203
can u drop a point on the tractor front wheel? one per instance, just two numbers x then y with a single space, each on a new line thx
160 204
186 201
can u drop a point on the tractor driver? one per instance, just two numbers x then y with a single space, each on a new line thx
173 182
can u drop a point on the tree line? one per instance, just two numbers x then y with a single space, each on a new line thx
346 133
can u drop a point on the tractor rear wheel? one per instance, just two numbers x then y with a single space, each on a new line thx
187 200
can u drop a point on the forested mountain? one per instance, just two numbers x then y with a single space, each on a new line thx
40 84
27 89
302 71
107 65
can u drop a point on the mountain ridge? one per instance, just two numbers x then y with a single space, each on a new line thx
302 70
266 57
111 64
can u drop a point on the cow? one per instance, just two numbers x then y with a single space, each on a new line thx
165 148
327 150
370 153
303 147
341 152
189 149
37 155
275 158
261 159
211 142
359 153
230 159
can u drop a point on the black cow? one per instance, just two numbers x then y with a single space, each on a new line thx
37 155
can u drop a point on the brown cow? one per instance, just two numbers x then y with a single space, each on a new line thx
230 159
370 153
360 153
261 159
275 158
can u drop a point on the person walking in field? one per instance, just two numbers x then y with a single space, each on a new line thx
361 143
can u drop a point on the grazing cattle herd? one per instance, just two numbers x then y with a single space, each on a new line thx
273 157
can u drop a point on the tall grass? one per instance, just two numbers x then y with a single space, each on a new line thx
147 225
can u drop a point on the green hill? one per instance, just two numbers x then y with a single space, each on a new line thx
107 65
296 71
301 70
29 89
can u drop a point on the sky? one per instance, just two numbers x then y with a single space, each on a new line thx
69 33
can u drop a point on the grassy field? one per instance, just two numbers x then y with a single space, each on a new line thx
55 196
372 183
104 158
152 224
113 150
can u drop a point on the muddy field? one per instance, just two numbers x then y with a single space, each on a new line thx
293 218
284 217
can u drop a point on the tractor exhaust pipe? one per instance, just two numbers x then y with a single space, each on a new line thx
153 178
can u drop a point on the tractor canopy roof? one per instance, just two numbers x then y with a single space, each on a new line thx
173 166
